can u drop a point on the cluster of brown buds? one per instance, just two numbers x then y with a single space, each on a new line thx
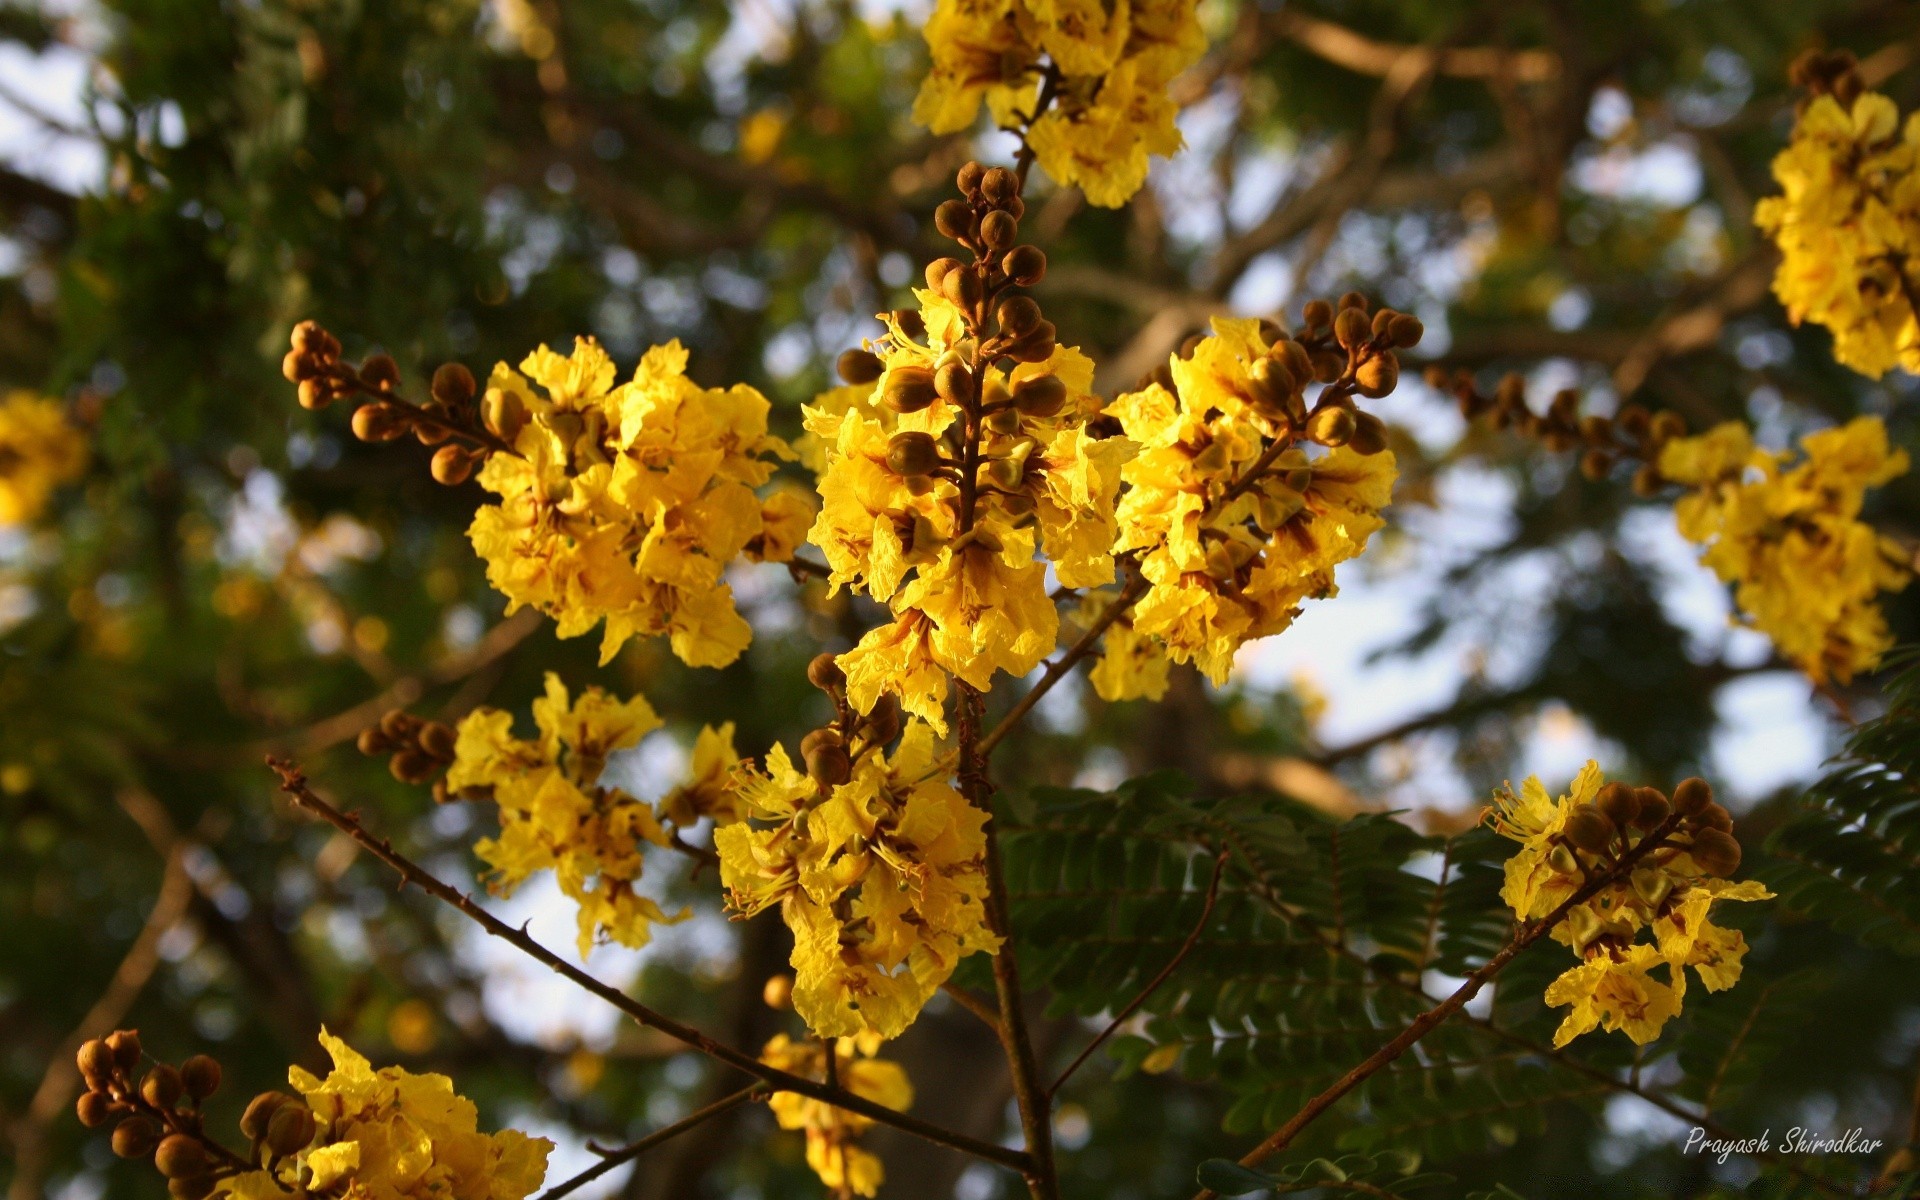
159 1117
416 749
1826 73
831 750
1634 434
465 430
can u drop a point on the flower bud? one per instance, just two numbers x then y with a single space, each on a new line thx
380 373
909 389
1562 860
95 1061
954 219
162 1087
1268 384
1713 816
1331 426
1620 802
136 1137
1715 852
1378 375
412 766
1585 925
1351 327
309 338
954 383
999 185
197 1188
1006 474
1405 330
1354 300
125 1044
379 422
437 738
912 453
1596 465
963 287
1369 434
201 1076
451 465
1040 396
1025 265
504 414
1037 346
1588 827
290 1129
1646 480
94 1109
967 179
314 394
180 1157
999 230
883 723
857 366
827 763
777 994
260 1110
1667 425
1316 315
1653 807
1328 365
824 673
453 384
937 272
1692 795
1017 315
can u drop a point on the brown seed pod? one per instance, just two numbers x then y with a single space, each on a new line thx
1317 314
1369 434
1025 265
1350 327
954 219
200 1075
162 1087
1331 426
912 452
260 1110
1018 314
291 1128
438 739
1716 852
136 1137
180 1157
1590 829
94 1109
1692 795
999 230
1378 375
1620 802
954 383
824 673
1040 396
451 465
125 1044
909 389
453 385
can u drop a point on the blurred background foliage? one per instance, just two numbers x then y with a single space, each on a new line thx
1556 188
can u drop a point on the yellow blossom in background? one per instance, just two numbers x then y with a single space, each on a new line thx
967 604
881 880
39 451
555 817
1104 67
708 791
1670 894
1807 572
1229 563
393 1135
625 504
1847 222
1132 665
832 1132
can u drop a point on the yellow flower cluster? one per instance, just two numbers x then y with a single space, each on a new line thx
39 451
392 1135
1105 81
1228 561
626 504
1806 570
555 816
892 512
1847 222
1671 892
881 879
831 1131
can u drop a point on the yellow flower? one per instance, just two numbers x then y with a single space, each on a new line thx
1102 144
1616 992
881 880
708 791
1688 938
1132 665
1533 887
39 451
625 504
979 53
1230 562
393 1135
1806 571
832 1132
555 816
1847 222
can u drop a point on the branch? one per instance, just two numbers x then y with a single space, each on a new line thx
1057 670
1424 1024
628 1153
1364 56
294 783
1153 985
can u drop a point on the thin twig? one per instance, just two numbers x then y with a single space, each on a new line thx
294 783
1058 669
1425 1023
977 1005
1153 985
626 1154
